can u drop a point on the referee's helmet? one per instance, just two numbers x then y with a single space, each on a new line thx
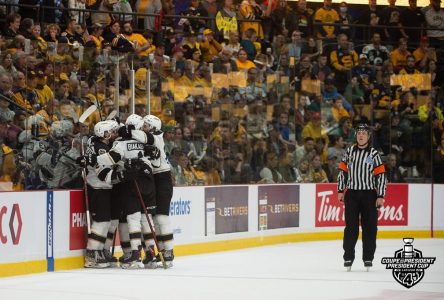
363 127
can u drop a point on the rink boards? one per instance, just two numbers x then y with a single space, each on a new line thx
46 230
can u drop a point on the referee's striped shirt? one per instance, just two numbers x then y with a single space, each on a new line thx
362 169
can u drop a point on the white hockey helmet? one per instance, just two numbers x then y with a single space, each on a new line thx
104 129
135 120
153 121
62 128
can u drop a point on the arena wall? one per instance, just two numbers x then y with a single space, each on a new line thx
46 230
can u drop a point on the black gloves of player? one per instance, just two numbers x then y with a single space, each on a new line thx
128 175
125 132
152 152
82 161
138 166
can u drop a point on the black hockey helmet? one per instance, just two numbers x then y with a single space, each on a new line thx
362 127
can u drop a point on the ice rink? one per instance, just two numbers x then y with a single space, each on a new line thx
311 270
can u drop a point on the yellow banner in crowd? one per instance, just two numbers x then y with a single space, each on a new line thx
422 82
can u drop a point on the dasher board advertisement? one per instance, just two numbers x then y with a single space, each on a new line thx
226 209
278 206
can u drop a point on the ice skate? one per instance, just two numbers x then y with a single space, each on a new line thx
113 262
368 264
95 259
131 260
149 261
168 257
348 265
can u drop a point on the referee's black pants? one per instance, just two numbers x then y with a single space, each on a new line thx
360 205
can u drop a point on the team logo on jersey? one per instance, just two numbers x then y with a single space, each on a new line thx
102 151
134 146
408 264
369 161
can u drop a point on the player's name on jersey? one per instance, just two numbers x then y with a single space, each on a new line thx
134 146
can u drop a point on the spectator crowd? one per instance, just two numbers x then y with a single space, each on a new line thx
248 91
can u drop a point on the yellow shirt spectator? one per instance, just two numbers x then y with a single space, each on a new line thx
328 16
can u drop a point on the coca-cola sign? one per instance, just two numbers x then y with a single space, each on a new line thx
330 212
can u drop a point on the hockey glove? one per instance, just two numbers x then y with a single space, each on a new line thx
82 161
125 132
146 169
143 167
127 175
152 152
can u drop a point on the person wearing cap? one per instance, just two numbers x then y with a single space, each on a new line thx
209 47
424 54
190 44
364 71
361 186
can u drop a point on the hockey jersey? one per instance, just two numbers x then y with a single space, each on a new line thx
122 151
156 139
99 175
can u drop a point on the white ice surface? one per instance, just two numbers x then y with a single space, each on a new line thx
290 271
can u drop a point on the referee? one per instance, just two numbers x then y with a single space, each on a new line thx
362 173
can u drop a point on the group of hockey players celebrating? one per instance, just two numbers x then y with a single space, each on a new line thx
129 189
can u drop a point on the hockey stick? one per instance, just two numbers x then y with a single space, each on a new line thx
151 226
87 113
114 241
112 115
82 119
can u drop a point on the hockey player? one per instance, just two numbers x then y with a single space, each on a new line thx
131 154
153 136
99 180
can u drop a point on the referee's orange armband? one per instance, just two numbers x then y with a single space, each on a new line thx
343 166
379 169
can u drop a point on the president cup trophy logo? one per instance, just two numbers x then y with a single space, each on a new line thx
408 264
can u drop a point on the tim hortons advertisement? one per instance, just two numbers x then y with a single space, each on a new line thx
226 209
77 221
329 212
278 206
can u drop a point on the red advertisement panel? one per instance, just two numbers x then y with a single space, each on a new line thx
330 212
77 221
